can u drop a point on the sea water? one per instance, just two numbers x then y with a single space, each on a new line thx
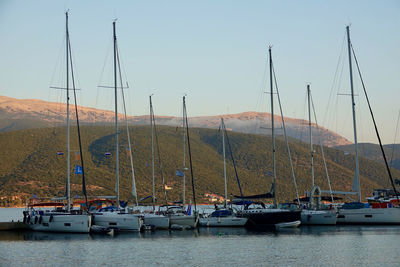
305 246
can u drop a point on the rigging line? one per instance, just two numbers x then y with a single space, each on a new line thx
159 160
57 67
233 162
190 159
338 79
301 133
77 124
260 98
335 114
284 132
360 125
322 149
124 70
177 140
335 78
303 129
376 128
394 141
102 72
134 193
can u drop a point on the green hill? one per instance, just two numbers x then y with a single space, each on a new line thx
373 152
29 164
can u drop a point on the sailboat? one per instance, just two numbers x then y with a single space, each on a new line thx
115 217
223 217
258 214
358 212
158 221
63 218
315 213
178 216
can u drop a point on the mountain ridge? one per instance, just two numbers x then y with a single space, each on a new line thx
17 114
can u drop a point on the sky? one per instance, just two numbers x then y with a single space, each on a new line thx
215 52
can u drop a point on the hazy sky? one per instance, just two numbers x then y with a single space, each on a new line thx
214 51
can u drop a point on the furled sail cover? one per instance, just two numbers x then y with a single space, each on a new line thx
270 194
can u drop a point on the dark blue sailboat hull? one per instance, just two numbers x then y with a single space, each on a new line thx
268 219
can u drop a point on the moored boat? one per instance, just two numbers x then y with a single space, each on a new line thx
117 216
157 220
61 217
318 217
358 212
314 212
222 218
120 220
294 224
364 213
259 216
178 216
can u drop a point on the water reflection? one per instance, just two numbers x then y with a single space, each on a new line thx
222 231
40 236
349 230
204 232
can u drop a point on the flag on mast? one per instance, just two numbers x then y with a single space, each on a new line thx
78 169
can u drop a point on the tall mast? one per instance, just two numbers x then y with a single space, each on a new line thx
356 179
116 118
152 152
223 153
184 150
272 123
310 130
67 88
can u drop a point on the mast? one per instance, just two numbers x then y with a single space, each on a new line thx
116 118
152 152
134 194
67 88
184 150
223 153
310 130
190 156
272 123
356 179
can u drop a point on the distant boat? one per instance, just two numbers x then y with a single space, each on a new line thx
62 217
116 217
358 212
315 212
260 216
223 217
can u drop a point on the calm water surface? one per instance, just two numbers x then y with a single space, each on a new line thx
306 246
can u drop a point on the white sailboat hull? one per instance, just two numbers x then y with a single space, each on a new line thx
318 217
369 216
159 221
55 222
121 221
230 221
183 220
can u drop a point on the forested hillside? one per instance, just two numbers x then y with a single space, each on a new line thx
29 164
